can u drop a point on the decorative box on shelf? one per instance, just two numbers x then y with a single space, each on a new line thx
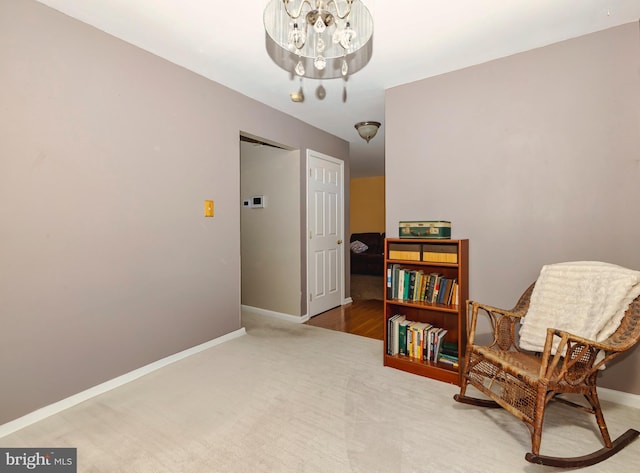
425 229
410 252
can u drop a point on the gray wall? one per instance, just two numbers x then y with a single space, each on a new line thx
535 158
270 236
107 153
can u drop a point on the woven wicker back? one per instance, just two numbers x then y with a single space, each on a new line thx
628 333
522 305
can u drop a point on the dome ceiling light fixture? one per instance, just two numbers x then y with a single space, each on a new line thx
319 39
367 130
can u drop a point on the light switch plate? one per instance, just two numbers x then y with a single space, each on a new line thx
208 208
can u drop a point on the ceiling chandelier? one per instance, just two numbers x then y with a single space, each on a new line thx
319 39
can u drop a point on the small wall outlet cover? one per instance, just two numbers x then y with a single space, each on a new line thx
246 203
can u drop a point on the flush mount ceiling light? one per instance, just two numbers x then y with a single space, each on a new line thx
319 39
367 130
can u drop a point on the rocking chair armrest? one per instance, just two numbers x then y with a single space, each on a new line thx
494 314
557 362
491 309
581 340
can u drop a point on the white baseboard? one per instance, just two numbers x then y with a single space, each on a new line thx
51 409
299 319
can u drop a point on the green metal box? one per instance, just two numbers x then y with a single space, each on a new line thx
438 229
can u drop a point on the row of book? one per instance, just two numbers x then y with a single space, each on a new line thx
417 286
419 340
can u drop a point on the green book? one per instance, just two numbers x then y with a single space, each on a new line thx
407 280
402 337
449 348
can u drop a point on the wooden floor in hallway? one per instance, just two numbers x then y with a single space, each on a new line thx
361 317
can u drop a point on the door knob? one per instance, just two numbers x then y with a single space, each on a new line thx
339 242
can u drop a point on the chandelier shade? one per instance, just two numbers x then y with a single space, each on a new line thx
319 39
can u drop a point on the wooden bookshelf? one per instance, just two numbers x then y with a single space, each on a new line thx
448 258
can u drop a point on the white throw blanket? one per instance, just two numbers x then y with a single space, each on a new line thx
586 298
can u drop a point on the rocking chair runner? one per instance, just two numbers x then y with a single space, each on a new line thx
523 382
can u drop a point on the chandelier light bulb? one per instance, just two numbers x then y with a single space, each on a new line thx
347 38
337 35
297 38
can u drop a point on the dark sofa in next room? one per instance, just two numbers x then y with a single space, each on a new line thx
371 260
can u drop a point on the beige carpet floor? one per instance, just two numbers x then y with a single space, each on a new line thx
301 399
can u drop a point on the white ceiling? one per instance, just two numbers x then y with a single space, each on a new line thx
413 39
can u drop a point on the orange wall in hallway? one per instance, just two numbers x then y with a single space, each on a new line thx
367 204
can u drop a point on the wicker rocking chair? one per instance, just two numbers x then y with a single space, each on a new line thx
524 382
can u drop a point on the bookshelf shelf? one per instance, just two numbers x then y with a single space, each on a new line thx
444 265
426 305
448 313
429 369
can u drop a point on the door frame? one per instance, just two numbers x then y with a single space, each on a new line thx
309 154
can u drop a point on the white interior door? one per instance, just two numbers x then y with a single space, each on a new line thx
325 209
